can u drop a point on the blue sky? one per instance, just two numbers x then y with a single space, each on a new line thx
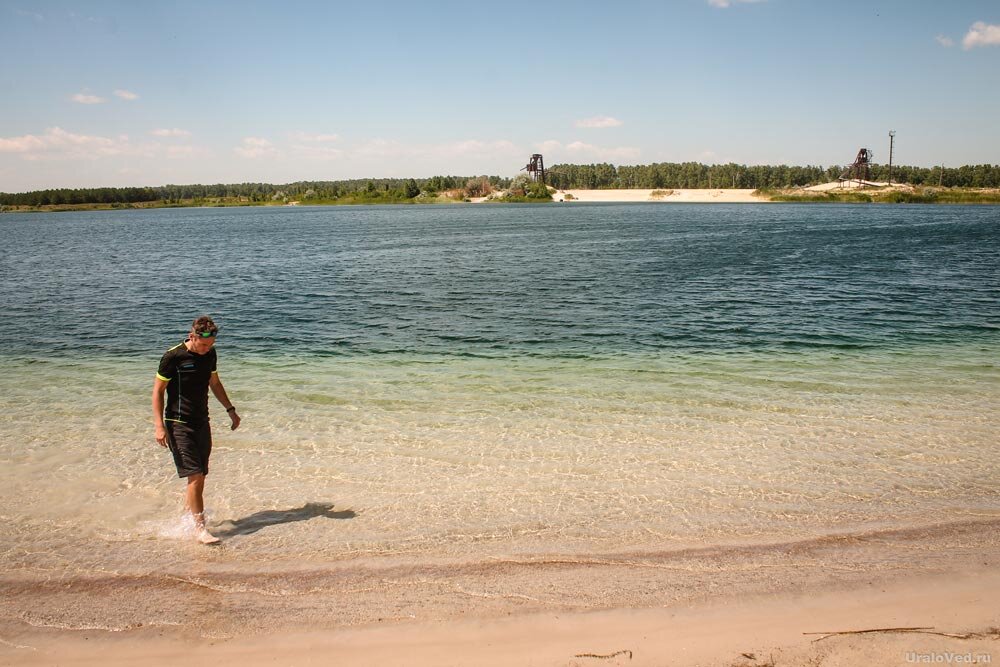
142 93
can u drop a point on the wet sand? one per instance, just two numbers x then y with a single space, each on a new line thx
764 630
696 606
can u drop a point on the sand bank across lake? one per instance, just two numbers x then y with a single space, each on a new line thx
686 196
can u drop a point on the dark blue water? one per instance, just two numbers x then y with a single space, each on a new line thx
562 280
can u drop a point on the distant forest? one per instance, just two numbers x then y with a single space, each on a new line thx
562 176
382 189
695 175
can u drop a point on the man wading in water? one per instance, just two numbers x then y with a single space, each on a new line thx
187 372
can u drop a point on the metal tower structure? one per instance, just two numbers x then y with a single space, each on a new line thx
861 169
535 168
892 136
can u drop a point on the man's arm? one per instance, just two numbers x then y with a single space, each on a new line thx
220 393
159 386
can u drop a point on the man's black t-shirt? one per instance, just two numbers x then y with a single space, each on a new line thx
188 375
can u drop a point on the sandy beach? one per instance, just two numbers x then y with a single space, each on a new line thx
751 604
692 196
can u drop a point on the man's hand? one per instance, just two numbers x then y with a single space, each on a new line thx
159 386
235 418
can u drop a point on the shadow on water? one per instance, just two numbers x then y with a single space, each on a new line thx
254 522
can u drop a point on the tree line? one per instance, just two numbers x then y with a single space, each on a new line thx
696 175
562 176
388 189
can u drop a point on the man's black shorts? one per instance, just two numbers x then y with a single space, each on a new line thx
191 446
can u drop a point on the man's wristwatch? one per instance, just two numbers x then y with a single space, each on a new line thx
231 408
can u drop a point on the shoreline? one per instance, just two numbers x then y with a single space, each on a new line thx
773 630
895 194
681 607
662 196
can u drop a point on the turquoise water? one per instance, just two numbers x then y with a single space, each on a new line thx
484 380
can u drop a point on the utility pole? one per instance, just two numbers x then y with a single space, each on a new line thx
941 176
892 135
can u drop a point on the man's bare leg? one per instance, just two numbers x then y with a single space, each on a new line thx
194 502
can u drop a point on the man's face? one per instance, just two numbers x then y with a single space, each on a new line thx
200 344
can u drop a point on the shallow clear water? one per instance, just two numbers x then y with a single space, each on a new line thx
480 380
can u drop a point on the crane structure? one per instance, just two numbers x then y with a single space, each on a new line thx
535 168
860 171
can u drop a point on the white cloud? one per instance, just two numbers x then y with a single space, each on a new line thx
56 143
316 152
981 34
944 41
126 95
579 150
25 144
320 147
167 132
83 98
180 152
255 147
549 146
600 152
599 122
724 4
33 15
382 148
472 147
315 146
304 137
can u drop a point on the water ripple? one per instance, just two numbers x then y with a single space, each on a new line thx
502 280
